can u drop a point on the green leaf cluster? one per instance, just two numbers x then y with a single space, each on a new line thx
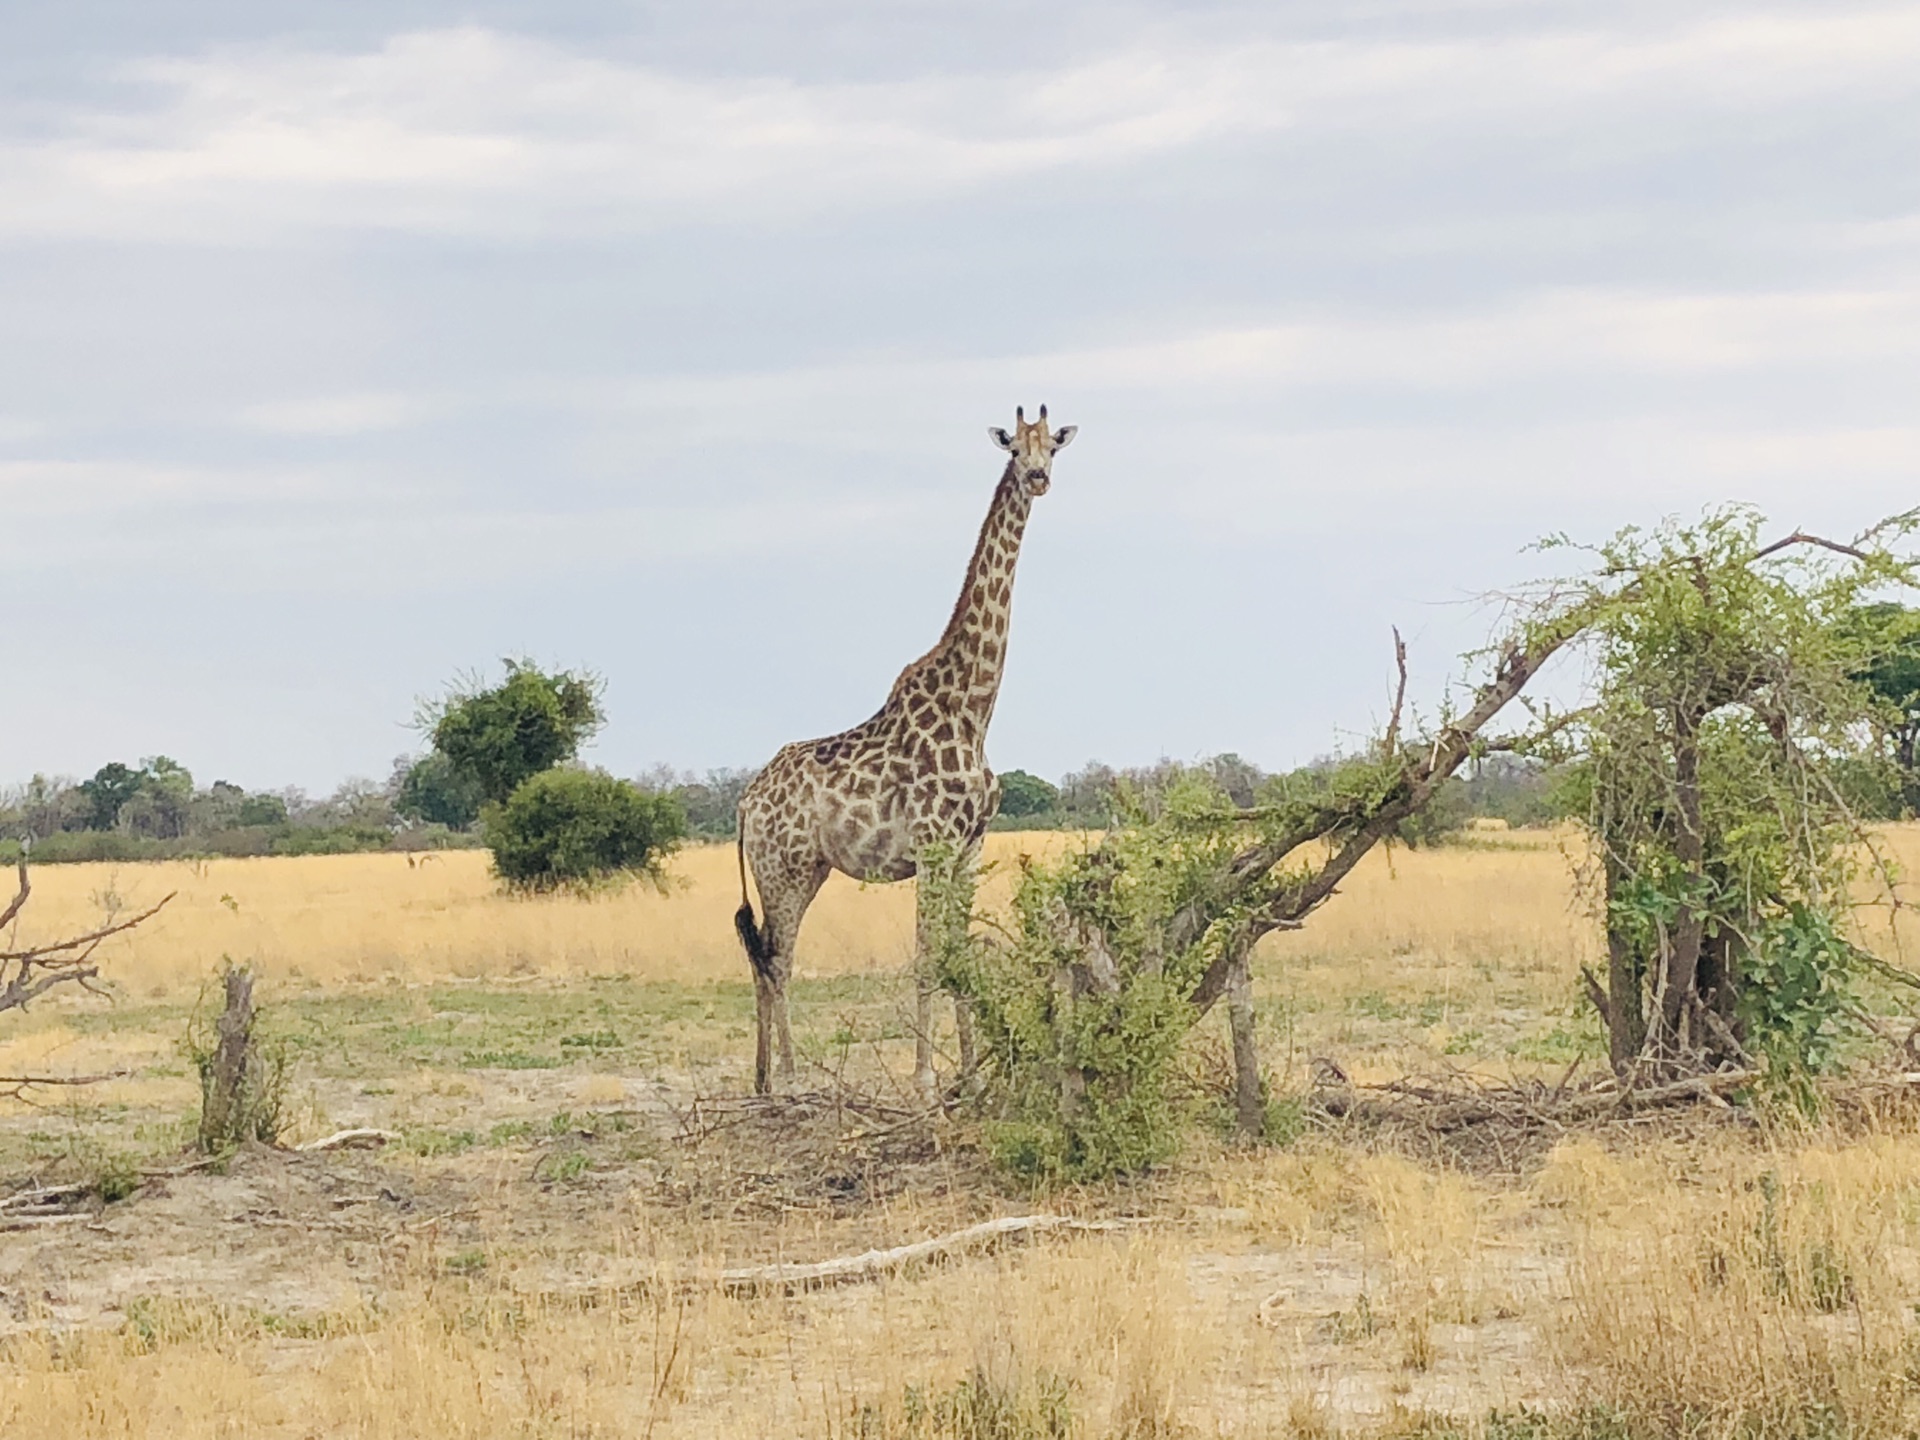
496 737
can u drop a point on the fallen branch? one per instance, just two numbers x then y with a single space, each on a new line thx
854 1269
43 1196
364 1136
1435 1108
36 1222
15 1087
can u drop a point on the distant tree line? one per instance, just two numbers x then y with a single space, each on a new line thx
157 811
1502 787
488 741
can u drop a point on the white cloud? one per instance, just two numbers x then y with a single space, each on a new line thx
357 413
105 490
1565 334
461 129
475 130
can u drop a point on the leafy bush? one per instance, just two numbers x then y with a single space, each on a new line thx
580 828
1086 1080
498 737
1024 794
432 790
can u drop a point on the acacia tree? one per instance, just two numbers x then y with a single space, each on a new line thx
1728 688
1726 692
1116 952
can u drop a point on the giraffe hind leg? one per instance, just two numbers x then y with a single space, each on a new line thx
785 896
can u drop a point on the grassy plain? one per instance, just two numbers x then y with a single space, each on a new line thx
514 1267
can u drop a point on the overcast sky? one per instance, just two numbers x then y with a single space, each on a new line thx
345 346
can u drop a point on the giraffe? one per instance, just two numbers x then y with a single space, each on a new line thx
868 801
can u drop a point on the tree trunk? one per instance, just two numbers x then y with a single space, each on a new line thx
1682 958
1626 1014
1249 1111
231 1071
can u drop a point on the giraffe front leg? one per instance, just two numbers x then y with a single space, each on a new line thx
785 1026
924 986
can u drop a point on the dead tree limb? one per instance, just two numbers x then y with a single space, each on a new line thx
26 889
1390 745
16 1087
28 972
1421 774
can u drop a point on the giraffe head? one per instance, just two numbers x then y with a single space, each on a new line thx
1033 448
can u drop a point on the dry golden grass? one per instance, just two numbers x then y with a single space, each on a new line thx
1432 924
1715 1284
1095 1334
1720 1292
332 920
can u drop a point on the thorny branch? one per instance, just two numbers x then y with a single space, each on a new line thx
1854 552
1391 744
1289 901
26 889
29 972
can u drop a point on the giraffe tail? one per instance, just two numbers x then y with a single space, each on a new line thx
759 953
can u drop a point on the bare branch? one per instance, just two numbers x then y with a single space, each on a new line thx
1390 746
1519 661
39 954
16 1087
102 1077
1800 537
6 916
28 973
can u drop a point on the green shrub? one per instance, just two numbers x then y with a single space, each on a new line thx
580 828
433 791
1024 794
497 738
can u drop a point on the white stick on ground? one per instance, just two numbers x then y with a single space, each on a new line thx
849 1269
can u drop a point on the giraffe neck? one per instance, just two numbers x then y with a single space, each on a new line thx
972 651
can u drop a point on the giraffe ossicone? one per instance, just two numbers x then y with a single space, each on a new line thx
871 800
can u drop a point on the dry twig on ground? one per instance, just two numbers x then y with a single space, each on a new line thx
1457 1102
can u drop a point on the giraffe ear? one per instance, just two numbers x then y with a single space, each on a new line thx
1064 436
1000 437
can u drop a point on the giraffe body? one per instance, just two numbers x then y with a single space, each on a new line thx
870 800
